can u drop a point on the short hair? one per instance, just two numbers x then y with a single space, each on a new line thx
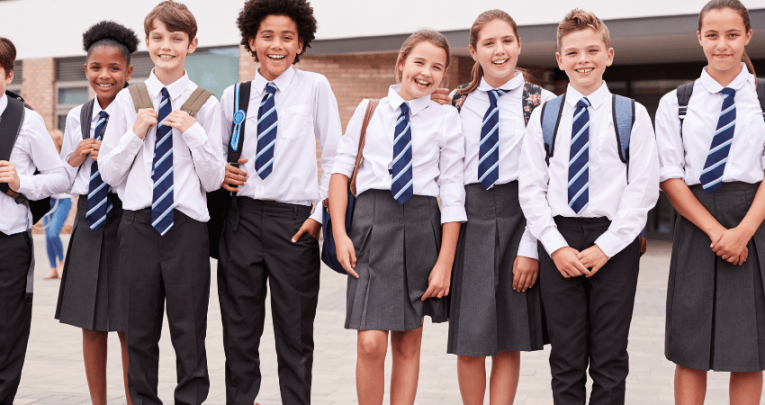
110 33
578 20
424 35
255 11
7 55
176 16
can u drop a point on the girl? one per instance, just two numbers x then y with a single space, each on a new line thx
60 205
413 154
712 171
90 296
495 309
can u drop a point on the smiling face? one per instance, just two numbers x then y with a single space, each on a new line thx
276 44
584 57
5 80
497 51
422 71
723 36
107 71
168 50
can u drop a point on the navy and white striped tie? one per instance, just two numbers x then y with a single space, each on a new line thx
488 151
579 159
402 184
711 176
267 124
98 191
162 171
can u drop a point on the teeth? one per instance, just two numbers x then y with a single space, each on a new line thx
277 56
105 85
422 82
499 62
166 57
588 70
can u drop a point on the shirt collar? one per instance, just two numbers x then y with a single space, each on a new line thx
509 85
3 103
281 82
175 89
713 87
597 98
415 106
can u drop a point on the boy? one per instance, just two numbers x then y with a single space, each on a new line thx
587 208
163 159
270 233
33 149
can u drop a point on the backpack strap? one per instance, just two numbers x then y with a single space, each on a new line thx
241 103
532 98
623 110
195 102
761 95
362 141
684 93
86 115
551 112
10 126
459 98
140 95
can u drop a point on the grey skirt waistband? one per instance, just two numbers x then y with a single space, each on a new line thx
728 187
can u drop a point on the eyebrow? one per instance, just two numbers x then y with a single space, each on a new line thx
272 31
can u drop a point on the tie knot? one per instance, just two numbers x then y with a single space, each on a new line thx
728 92
494 95
165 94
103 114
270 87
583 103
404 109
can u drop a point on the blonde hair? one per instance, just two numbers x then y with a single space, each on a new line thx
483 19
423 35
578 20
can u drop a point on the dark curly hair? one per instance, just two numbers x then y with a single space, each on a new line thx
110 33
255 11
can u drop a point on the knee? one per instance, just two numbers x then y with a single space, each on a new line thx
470 361
372 348
407 348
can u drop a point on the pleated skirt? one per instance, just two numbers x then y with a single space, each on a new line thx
396 248
716 310
91 292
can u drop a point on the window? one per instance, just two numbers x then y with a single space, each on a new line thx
214 69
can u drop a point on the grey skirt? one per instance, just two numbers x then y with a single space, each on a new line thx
486 315
396 248
90 295
716 310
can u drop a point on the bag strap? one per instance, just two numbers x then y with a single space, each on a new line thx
362 140
551 112
761 95
86 116
241 103
195 102
10 126
532 97
623 110
140 95
684 93
459 98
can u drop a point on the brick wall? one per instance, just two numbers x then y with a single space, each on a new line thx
38 87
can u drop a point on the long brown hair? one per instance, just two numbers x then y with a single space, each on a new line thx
483 19
423 35
734 5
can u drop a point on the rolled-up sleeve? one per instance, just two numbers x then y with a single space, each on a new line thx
348 147
451 166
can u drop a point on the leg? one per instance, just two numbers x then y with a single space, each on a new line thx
405 347
371 348
94 352
690 386
50 248
471 374
505 370
745 388
65 205
123 346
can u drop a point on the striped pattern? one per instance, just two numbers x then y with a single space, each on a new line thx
402 183
488 151
267 124
579 159
162 202
98 191
714 167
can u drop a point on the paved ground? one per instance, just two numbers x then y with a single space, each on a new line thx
54 372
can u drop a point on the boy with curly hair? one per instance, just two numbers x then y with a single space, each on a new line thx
270 233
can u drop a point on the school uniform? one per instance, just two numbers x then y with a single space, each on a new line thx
486 314
256 245
589 318
715 310
34 149
397 244
91 291
165 261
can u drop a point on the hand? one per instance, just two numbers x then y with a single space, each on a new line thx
439 281
83 150
144 121
234 177
8 175
311 226
525 272
94 151
593 258
731 244
346 253
441 96
180 120
568 263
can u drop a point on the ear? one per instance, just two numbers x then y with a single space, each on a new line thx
519 45
9 78
146 40
748 37
86 69
193 45
559 59
300 48
473 52
610 56
129 73
698 35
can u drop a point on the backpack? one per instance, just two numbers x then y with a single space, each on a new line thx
532 97
685 91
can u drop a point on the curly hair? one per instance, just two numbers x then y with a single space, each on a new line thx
7 55
255 11
110 33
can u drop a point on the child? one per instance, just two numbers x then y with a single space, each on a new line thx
33 149
270 233
414 153
494 309
162 160
53 222
712 171
587 207
92 296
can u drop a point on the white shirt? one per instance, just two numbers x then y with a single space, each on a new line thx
125 159
626 202
512 126
34 149
307 110
684 156
437 151
79 176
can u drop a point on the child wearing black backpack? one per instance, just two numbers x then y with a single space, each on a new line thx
25 146
589 175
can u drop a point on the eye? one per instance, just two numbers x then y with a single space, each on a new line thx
711 35
508 41
157 38
571 53
733 35
594 50
488 43
437 68
418 63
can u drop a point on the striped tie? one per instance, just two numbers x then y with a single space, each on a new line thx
579 159
267 123
488 152
98 191
711 176
402 186
162 171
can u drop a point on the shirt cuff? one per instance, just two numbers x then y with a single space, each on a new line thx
670 172
552 240
528 249
609 243
195 136
131 142
317 213
453 214
343 165
71 171
26 185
